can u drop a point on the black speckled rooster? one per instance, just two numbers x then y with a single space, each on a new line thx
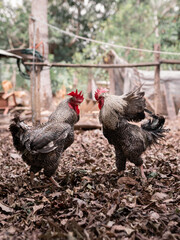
129 140
41 147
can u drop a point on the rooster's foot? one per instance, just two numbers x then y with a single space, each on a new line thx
54 182
32 177
144 179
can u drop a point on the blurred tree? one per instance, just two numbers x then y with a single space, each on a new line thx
39 11
138 23
14 34
82 18
128 23
14 25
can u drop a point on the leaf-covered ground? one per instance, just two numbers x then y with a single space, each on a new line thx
93 202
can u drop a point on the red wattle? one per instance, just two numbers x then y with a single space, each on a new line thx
101 103
99 106
75 107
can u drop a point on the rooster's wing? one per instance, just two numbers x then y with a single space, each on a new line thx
134 109
47 138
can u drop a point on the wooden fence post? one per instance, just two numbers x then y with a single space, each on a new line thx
111 80
157 87
34 75
171 110
38 78
32 35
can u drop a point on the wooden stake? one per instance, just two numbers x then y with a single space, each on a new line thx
38 77
37 98
157 88
32 36
34 75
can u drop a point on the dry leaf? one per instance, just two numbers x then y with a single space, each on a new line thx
11 230
37 207
15 155
108 208
111 210
154 215
159 196
119 228
6 208
110 224
127 180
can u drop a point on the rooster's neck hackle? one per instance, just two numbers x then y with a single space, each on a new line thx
113 107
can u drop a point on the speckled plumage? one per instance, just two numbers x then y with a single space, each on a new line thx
109 114
129 140
41 147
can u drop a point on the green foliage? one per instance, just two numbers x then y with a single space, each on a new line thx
14 25
126 23
133 26
59 77
92 54
7 67
83 18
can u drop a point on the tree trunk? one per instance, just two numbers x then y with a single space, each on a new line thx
39 12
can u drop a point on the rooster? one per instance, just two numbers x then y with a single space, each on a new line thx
41 146
129 140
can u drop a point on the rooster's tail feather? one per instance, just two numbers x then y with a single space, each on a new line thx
17 129
155 127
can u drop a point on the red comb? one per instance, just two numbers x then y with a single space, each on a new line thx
78 96
99 92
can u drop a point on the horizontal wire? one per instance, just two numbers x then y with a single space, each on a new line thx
103 43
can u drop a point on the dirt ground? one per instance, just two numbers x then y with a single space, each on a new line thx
93 202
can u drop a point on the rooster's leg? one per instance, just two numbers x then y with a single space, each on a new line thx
32 177
142 173
33 171
54 181
139 163
120 161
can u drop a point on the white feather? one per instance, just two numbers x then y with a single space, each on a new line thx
112 108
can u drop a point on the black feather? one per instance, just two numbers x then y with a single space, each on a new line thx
16 131
155 126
